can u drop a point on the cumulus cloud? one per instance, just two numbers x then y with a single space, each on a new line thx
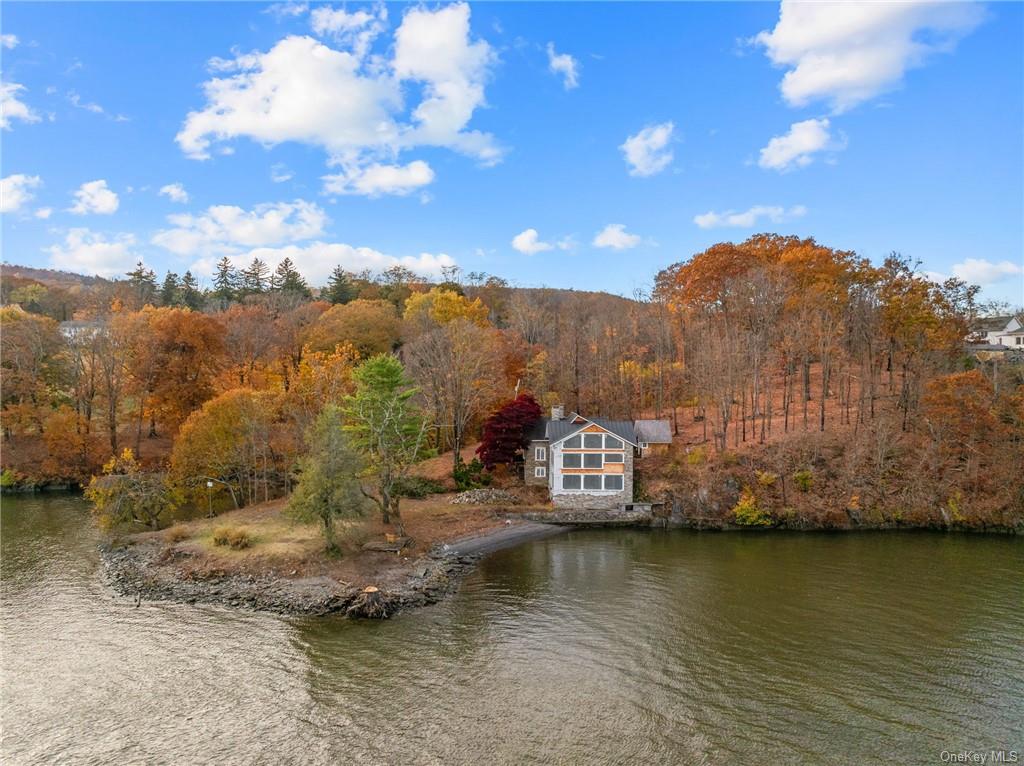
43 213
845 53
647 153
316 260
528 242
356 30
12 108
16 191
225 229
87 252
376 179
95 197
615 236
348 102
564 65
798 147
980 271
10 42
748 218
174 192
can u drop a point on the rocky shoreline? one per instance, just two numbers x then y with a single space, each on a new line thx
144 572
148 571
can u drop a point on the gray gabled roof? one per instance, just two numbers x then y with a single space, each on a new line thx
653 431
558 430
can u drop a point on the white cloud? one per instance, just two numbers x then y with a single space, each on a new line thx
615 236
350 103
798 147
13 109
16 191
91 106
376 179
76 101
284 10
94 197
848 52
174 192
43 213
979 271
279 173
748 218
529 243
647 152
316 260
88 252
224 229
9 41
356 30
565 65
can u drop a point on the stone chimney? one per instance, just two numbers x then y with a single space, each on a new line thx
558 412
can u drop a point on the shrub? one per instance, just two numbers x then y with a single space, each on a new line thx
176 534
729 458
955 506
748 513
416 487
235 538
766 478
9 479
470 476
804 480
697 456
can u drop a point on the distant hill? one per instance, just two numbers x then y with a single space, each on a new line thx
48 277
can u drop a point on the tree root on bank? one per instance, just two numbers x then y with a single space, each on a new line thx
371 603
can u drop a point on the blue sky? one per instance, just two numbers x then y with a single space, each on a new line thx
582 145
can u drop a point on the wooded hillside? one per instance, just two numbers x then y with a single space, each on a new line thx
747 344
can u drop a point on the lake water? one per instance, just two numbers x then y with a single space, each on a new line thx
595 647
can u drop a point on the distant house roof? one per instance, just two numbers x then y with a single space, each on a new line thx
990 324
557 430
986 347
653 431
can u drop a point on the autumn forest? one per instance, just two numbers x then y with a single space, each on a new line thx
800 381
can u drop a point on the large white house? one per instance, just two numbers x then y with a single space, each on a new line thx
1005 331
584 462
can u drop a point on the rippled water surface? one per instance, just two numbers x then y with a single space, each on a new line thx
593 647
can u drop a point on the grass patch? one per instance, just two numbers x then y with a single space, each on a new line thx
177 533
235 538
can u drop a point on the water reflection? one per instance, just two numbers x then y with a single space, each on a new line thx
591 647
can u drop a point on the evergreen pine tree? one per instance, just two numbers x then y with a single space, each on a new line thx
287 279
143 281
339 288
254 278
191 295
225 282
170 291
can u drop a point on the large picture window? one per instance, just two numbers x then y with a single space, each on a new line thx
572 460
592 441
592 481
592 460
571 481
613 482
613 457
610 442
573 443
